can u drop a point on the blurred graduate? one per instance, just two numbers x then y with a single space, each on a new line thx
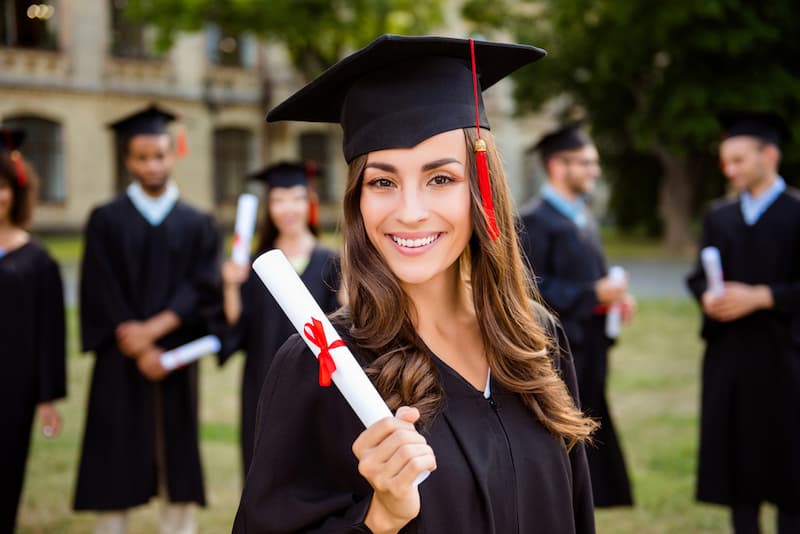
750 413
441 314
31 326
149 282
258 325
561 241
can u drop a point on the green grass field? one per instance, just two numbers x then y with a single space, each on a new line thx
654 396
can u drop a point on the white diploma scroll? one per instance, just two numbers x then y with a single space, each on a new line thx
186 354
616 274
712 265
246 212
305 315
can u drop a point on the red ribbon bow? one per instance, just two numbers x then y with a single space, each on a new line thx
315 333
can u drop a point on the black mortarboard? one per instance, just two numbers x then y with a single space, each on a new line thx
150 121
284 174
568 137
11 138
765 125
398 91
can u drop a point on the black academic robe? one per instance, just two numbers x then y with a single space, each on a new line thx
132 270
263 328
498 469
567 260
33 359
750 422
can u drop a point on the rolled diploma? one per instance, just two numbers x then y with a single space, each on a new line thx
712 265
614 317
186 354
246 211
299 306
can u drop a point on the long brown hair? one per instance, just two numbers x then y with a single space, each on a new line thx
515 339
24 196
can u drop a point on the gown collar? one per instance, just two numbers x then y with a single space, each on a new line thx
154 210
754 207
571 209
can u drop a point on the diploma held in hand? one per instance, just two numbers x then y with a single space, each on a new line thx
712 265
186 354
614 317
246 211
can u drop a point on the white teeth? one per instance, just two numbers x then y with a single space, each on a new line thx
415 243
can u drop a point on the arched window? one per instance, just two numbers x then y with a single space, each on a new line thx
42 147
232 150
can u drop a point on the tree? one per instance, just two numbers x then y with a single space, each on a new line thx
652 77
316 32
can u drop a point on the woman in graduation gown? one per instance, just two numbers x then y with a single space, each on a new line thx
441 315
258 325
31 327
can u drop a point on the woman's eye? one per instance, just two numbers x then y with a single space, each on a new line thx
380 182
441 179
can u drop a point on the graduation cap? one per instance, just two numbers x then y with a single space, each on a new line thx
568 137
398 91
765 125
150 121
283 174
11 140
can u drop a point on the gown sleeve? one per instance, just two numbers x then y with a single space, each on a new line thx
544 249
582 498
304 476
103 304
199 296
696 280
50 334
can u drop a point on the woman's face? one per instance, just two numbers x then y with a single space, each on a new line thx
415 203
288 208
6 200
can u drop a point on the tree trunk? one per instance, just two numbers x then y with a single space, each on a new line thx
675 202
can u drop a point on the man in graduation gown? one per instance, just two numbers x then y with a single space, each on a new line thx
149 283
560 239
749 436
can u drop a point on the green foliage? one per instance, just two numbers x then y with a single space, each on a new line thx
316 32
653 75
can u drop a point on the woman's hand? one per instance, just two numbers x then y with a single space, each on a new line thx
391 455
234 274
49 418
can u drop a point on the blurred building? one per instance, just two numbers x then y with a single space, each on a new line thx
68 68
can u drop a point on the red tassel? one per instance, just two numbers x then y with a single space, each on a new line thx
19 167
486 188
181 142
313 210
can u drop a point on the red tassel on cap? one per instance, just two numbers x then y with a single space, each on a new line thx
480 158
313 201
181 142
19 167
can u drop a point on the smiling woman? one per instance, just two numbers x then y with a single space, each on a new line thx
441 315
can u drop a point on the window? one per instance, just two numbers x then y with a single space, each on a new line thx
42 147
229 50
232 149
27 24
129 39
314 147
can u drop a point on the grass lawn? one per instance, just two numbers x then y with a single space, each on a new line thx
654 396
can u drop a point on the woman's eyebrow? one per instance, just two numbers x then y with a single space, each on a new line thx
381 166
439 163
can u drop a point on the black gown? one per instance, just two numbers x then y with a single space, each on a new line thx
263 328
750 422
498 469
567 261
132 270
33 357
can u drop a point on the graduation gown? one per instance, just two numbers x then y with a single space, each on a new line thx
567 260
132 270
33 359
263 327
498 469
750 427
